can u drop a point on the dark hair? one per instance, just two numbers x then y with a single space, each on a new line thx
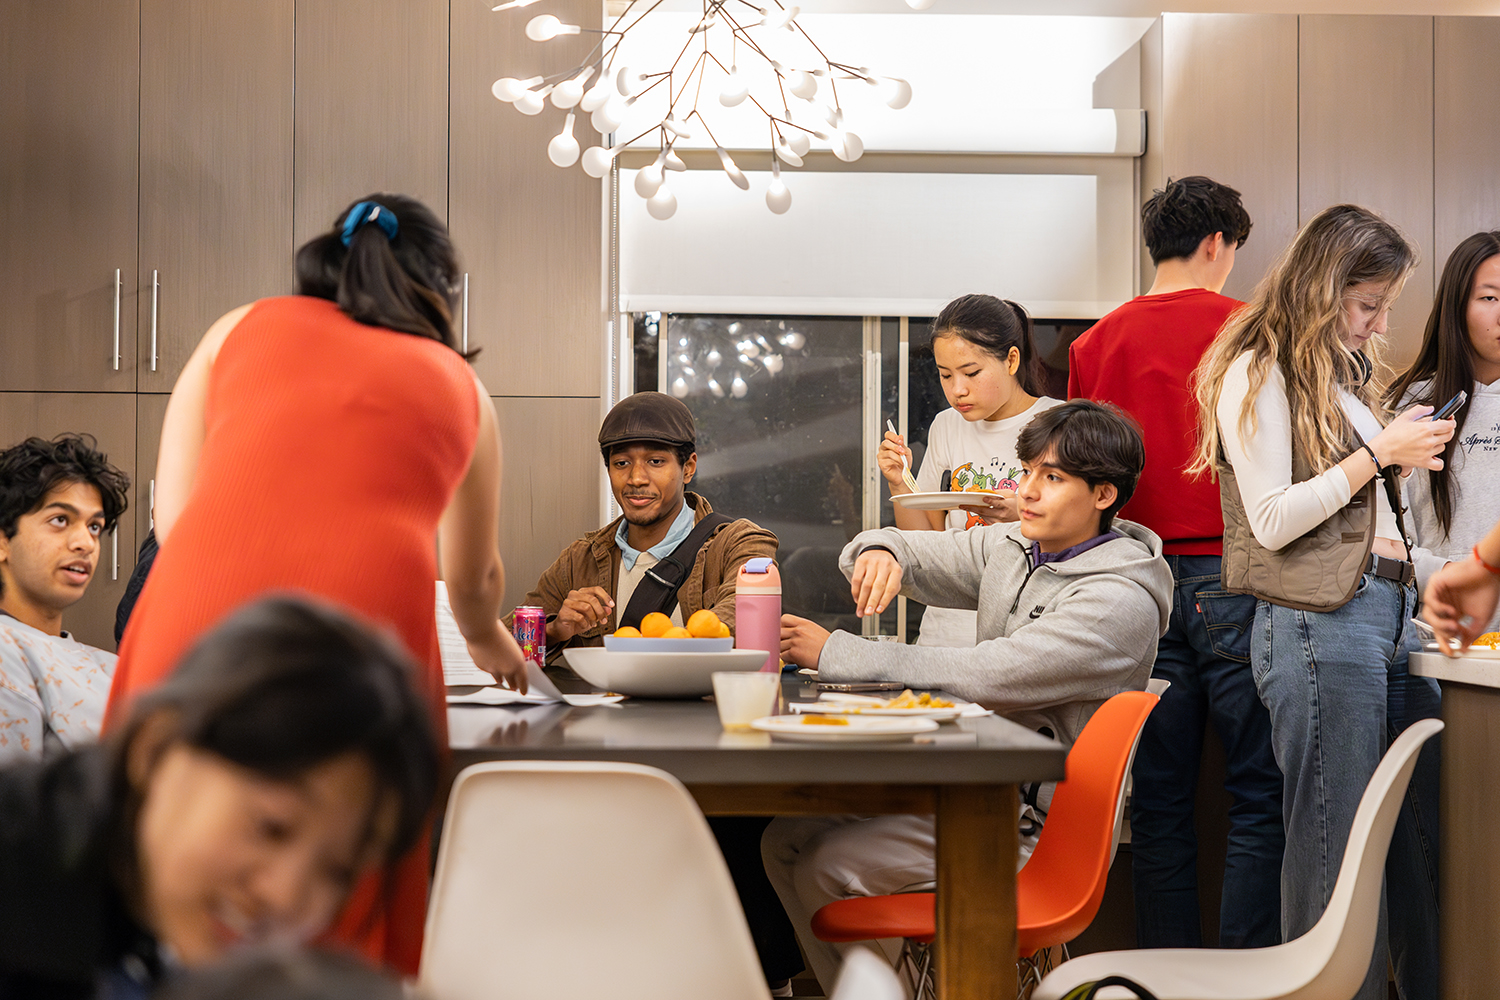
282 686
282 974
1179 217
1446 357
408 282
994 326
682 451
1097 442
34 468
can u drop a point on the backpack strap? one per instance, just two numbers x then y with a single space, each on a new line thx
657 590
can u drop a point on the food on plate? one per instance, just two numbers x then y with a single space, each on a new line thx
677 632
908 699
655 625
823 720
1490 639
705 624
626 632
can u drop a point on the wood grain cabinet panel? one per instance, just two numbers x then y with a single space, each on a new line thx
529 232
1366 137
1229 111
110 418
150 414
1466 144
549 493
372 106
69 96
216 169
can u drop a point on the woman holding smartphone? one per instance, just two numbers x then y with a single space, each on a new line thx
1291 423
1452 507
991 377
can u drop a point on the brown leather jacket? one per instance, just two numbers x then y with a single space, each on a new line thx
594 561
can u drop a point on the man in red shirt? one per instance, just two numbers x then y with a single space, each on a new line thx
1141 357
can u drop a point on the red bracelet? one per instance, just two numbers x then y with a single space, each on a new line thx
1480 560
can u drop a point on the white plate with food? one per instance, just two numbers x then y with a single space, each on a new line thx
843 708
659 675
841 729
946 500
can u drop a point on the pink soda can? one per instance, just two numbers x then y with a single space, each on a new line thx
531 634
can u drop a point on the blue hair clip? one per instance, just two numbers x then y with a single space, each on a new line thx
369 211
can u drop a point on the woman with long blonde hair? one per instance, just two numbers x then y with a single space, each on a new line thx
1307 460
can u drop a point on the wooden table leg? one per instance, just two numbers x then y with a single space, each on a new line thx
976 891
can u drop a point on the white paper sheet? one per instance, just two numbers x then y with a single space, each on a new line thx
459 669
505 696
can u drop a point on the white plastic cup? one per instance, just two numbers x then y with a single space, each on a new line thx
743 697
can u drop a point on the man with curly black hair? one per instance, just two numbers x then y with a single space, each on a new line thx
57 499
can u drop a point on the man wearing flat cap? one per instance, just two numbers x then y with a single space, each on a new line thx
668 552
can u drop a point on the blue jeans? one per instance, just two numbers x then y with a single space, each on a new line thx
1338 690
1205 653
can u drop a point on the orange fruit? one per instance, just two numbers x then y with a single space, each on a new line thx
703 624
626 632
677 632
723 632
655 625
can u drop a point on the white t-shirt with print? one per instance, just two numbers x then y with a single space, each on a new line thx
980 453
53 690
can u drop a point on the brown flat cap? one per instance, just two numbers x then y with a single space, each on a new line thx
648 416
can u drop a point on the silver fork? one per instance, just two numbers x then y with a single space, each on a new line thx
906 476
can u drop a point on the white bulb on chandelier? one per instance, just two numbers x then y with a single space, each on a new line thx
920 4
597 160
786 153
677 129
514 3
736 88
545 27
733 328
568 93
672 161
831 115
793 340
714 358
600 92
532 102
738 388
847 146
895 91
705 24
563 149
679 387
648 179
686 369
607 117
778 198
715 388
508 88
748 349
745 360
772 363
801 83
662 204
780 17
628 82
799 142
736 175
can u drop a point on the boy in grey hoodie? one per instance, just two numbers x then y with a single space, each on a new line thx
1071 604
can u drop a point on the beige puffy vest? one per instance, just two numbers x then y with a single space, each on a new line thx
1319 571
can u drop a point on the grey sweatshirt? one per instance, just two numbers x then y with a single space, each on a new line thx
1475 470
1054 643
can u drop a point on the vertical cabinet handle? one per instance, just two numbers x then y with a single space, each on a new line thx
466 313
114 552
117 319
151 507
155 296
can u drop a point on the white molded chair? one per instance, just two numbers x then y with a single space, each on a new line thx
573 880
1327 963
865 977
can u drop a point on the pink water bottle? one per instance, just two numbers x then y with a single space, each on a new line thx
757 610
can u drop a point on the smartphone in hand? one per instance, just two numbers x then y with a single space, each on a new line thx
1451 407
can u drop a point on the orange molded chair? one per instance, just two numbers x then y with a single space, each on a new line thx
1059 891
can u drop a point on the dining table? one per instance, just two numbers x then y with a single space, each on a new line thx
966 774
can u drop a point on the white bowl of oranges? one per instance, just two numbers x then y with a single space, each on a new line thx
662 661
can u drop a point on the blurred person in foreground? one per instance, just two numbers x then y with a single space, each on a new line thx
334 442
57 500
1141 357
237 804
1071 601
283 974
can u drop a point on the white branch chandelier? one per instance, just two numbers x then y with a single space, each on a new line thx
709 65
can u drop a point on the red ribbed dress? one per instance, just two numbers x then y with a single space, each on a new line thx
332 450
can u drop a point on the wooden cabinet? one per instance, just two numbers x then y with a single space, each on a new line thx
528 232
215 169
1466 199
150 412
68 114
110 418
362 128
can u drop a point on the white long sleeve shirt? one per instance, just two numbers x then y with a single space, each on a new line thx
1279 510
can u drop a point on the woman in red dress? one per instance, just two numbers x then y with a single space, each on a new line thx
319 442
